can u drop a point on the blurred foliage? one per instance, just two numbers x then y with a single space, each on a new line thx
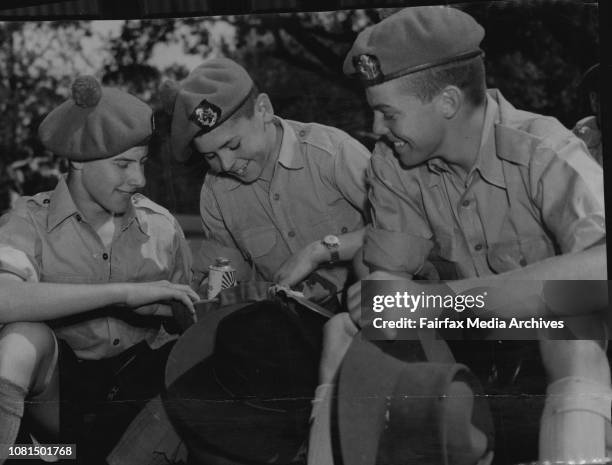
536 51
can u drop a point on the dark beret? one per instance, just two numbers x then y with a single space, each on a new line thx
210 95
411 40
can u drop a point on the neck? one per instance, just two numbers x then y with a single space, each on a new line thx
93 212
464 142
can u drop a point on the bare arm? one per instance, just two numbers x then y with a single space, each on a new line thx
315 254
27 301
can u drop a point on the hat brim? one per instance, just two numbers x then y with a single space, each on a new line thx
249 430
368 386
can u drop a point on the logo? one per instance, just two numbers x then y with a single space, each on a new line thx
206 115
368 67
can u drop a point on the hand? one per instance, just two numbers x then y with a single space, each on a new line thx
338 333
142 294
155 310
300 265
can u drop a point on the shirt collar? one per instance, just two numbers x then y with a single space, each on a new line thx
61 205
488 163
290 153
135 215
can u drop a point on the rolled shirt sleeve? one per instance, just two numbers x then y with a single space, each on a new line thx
18 245
349 173
568 188
399 238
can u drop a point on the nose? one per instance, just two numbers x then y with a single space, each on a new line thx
226 159
137 178
378 126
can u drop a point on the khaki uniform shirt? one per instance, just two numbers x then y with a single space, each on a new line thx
45 239
317 188
534 192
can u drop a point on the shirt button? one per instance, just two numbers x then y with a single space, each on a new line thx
116 342
291 234
276 196
344 230
523 261
46 201
79 218
105 256
465 203
478 247
302 133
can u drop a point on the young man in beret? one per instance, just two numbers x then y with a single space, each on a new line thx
93 258
487 190
281 198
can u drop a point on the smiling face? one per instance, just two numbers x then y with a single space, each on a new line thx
110 183
414 128
241 146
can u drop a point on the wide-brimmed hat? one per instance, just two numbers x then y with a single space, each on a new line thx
393 411
240 384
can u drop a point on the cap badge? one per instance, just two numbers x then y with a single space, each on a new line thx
206 115
368 67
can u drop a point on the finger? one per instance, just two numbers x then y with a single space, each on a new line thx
193 295
186 301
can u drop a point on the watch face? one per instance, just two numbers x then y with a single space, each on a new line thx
331 241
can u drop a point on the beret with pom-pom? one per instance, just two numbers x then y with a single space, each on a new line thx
96 122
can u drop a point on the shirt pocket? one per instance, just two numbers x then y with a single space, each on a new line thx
259 241
510 255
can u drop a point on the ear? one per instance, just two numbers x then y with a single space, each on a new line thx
450 101
263 107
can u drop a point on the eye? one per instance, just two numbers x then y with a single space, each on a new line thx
209 156
122 164
235 146
388 116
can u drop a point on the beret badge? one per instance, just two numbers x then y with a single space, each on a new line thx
206 115
368 68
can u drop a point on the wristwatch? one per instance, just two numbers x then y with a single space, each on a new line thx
332 243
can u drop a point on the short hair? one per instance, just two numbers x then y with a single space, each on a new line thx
467 75
247 109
